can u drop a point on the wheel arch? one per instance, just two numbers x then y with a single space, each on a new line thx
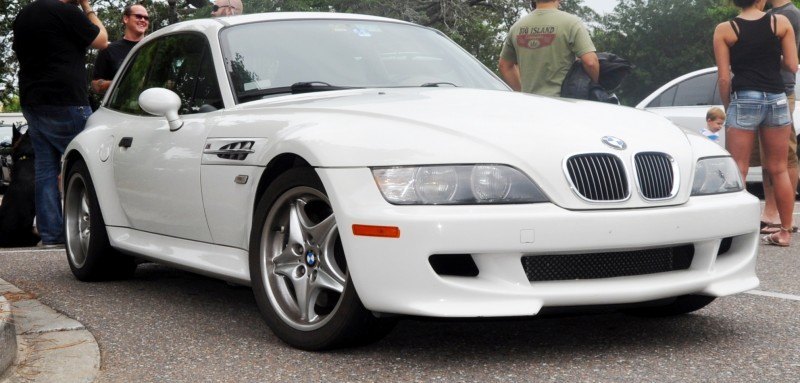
70 158
277 166
102 175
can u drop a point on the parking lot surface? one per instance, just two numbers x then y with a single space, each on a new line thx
169 325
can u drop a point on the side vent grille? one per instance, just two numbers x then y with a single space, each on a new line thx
236 151
598 177
656 175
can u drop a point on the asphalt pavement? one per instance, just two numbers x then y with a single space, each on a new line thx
167 325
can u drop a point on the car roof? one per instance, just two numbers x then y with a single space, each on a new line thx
213 25
275 16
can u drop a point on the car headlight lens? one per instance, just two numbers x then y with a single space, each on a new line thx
716 175
436 185
456 185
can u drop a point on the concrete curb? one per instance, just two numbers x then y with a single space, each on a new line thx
8 336
49 346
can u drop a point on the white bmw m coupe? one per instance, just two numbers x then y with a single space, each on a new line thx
354 169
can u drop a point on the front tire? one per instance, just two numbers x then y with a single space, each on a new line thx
89 254
299 272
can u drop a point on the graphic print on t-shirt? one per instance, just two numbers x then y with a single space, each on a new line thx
536 37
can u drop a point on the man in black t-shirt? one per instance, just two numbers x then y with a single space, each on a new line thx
50 39
136 20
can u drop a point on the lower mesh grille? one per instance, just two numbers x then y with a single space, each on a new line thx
562 267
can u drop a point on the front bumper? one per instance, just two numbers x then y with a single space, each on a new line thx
393 275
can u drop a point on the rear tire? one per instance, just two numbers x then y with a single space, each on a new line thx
681 305
90 256
299 272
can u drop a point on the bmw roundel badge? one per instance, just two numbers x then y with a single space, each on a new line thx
311 259
614 142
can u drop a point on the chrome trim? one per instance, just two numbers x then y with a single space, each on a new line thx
229 151
597 167
614 142
658 182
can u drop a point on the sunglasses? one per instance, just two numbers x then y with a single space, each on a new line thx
215 7
140 17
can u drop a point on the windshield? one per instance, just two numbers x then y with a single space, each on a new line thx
269 57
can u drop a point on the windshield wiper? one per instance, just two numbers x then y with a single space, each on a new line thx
296 88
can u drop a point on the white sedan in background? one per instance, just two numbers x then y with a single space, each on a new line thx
353 169
686 99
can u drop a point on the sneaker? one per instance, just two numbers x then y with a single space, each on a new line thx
43 245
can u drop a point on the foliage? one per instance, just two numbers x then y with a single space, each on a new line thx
8 62
663 38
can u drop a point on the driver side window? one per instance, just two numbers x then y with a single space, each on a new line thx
181 63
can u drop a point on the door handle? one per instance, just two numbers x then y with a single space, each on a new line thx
126 142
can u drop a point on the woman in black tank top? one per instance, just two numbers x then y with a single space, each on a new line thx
753 46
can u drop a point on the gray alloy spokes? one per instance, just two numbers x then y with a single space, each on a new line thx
328 264
318 233
325 280
303 271
296 230
306 298
84 223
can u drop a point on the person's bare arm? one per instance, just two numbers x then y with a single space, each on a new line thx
101 41
509 71
788 43
591 65
100 86
722 36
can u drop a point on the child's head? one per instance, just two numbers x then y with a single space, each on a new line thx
715 118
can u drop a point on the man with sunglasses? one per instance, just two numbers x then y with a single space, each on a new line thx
136 21
226 8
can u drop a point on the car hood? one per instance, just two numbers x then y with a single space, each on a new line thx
389 127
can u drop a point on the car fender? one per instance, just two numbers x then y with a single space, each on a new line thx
96 149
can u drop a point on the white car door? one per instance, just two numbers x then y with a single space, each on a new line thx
157 171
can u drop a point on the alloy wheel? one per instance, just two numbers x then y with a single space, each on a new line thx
302 260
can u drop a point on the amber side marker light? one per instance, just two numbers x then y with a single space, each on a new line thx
377 231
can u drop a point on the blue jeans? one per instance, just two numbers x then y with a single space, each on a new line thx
51 129
751 109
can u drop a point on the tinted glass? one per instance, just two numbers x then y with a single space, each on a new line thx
664 99
180 63
125 96
697 91
348 53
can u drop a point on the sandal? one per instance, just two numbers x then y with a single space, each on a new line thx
769 239
772 228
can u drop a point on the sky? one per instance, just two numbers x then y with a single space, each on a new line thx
601 6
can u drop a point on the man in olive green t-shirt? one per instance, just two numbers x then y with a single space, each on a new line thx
541 47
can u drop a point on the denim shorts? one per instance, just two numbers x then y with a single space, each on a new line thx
750 109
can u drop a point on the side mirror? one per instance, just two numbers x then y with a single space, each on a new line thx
164 103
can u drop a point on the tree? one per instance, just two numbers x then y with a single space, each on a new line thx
8 63
663 38
109 11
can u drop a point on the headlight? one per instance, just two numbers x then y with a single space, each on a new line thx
456 185
716 175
